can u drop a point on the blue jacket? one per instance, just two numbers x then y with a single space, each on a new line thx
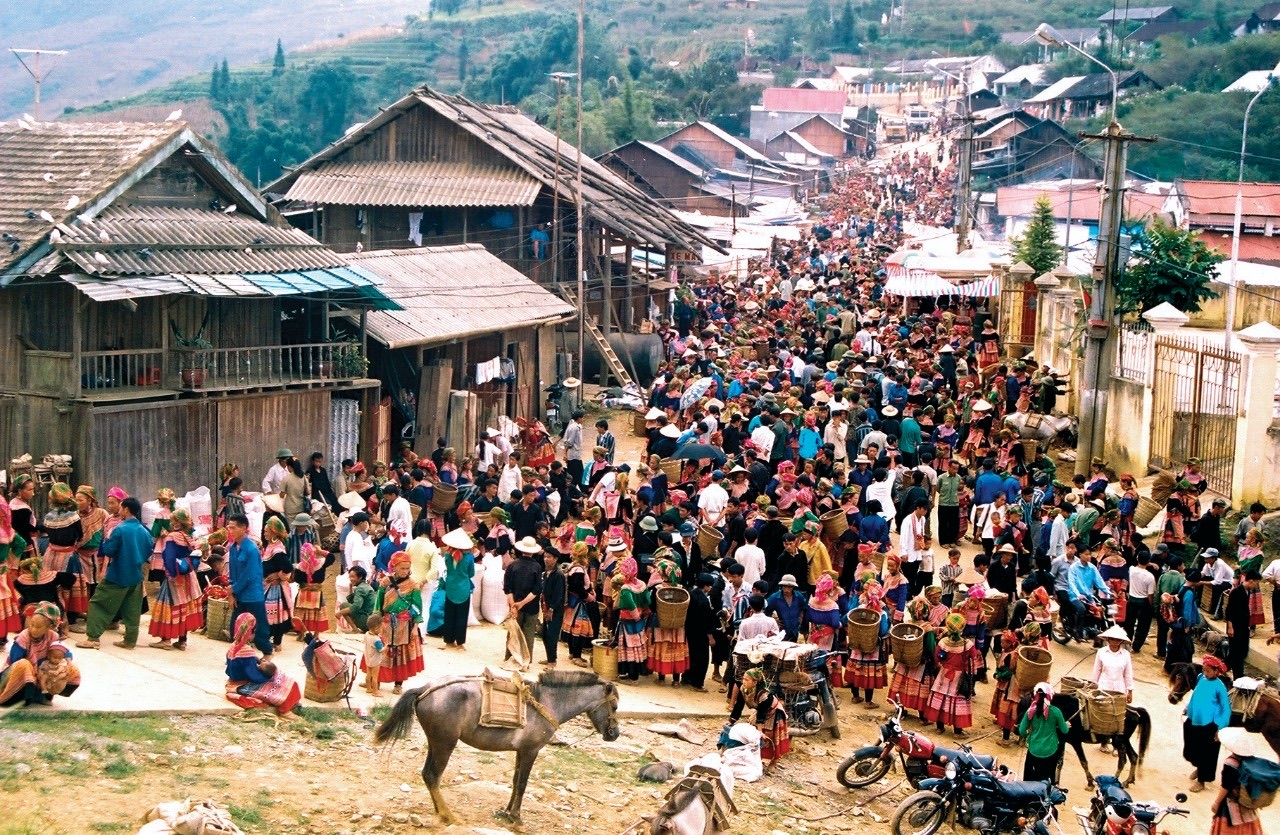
244 565
789 614
1083 580
875 529
128 549
987 487
1209 703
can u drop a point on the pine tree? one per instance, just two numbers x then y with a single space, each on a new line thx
1037 246
224 79
464 54
846 29
277 66
215 86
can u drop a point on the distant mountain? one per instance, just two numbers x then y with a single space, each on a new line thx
119 47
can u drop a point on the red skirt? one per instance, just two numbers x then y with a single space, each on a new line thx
403 660
309 612
669 652
10 610
865 671
910 686
1257 614
171 616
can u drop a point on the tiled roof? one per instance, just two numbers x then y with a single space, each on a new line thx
61 169
442 290
800 100
1081 201
413 184
1213 202
607 198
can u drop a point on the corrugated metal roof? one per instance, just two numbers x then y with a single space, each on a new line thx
1056 90
452 292
606 197
413 184
53 164
800 100
105 289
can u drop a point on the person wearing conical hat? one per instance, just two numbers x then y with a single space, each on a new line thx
951 693
1230 815
62 525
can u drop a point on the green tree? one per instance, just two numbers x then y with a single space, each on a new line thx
224 79
1037 245
846 28
215 85
277 65
464 53
1167 265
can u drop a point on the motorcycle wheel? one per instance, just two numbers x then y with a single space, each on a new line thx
1060 633
923 813
858 774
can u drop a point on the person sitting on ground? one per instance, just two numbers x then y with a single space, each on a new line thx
254 682
18 680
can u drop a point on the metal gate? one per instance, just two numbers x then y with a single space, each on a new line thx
1195 409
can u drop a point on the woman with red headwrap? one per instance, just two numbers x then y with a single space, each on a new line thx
400 602
633 619
866 671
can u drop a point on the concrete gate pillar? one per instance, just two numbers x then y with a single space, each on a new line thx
1258 409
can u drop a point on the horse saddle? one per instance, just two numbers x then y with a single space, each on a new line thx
502 701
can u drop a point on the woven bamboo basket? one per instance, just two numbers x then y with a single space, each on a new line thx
637 424
673 606
1029 450
150 590
761 347
443 498
835 522
709 540
331 692
864 630
1070 686
604 660
1147 510
906 640
999 610
1106 713
217 623
671 466
1034 664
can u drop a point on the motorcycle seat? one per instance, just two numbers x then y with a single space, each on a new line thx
1022 791
958 756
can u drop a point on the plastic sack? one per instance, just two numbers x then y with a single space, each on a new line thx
477 583
200 504
493 605
744 760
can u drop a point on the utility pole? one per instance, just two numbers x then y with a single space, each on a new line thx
1100 323
964 179
33 69
578 211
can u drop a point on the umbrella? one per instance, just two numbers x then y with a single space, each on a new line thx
696 452
695 391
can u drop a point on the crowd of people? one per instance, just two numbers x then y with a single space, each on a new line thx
813 447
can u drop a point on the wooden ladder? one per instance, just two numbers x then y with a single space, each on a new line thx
611 360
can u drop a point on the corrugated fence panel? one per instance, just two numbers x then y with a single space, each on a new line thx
144 448
251 429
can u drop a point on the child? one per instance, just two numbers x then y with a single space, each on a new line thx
267 668
54 671
373 653
947 576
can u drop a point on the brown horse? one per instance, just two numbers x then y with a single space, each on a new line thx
449 712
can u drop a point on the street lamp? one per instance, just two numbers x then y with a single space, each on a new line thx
1049 36
1235 223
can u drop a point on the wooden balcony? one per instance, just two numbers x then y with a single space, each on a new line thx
143 374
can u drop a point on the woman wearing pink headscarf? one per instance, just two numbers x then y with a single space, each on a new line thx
633 618
254 682
1042 727
866 670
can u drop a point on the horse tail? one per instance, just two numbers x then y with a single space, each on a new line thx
397 724
1144 732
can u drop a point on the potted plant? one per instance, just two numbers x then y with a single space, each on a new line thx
351 363
194 362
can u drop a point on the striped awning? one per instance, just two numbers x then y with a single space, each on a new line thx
918 283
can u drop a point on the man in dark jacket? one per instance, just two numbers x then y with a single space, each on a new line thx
699 628
553 599
522 583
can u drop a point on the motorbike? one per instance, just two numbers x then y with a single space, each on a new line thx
555 419
1099 616
919 756
980 799
1112 811
809 700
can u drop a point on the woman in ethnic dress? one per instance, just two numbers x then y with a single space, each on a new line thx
309 612
577 624
254 682
867 671
276 571
24 518
633 617
178 607
957 658
62 524
20 680
669 650
93 532
770 716
12 547
910 684
824 615
400 602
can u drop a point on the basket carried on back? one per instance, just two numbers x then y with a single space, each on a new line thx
1033 667
443 498
835 522
906 640
998 615
864 630
637 424
672 606
604 660
671 466
217 622
709 540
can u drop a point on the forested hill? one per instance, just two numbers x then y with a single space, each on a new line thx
649 64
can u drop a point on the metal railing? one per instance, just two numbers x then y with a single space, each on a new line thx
135 368
230 368
1133 353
